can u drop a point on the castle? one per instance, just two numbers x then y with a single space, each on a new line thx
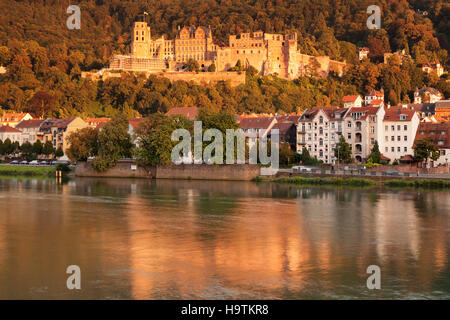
270 54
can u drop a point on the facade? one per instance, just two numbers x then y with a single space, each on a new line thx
363 53
433 67
270 54
318 130
373 95
361 128
427 95
13 134
256 127
30 130
352 101
57 130
13 118
400 127
439 133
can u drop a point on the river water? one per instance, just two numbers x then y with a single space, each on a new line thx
140 239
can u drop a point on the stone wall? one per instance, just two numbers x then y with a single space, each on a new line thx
124 169
234 78
208 172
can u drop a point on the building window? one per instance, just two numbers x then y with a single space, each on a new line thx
392 138
405 149
399 138
393 128
405 127
405 138
349 136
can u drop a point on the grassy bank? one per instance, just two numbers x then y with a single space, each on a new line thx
358 182
9 170
361 182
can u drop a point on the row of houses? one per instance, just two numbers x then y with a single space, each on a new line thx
394 128
22 128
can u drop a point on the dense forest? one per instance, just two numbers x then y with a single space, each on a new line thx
44 59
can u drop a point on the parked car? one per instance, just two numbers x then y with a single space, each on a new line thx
14 162
34 163
24 162
43 163
393 172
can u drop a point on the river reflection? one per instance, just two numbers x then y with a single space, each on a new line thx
165 239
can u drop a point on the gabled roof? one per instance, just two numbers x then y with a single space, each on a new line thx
283 127
56 123
135 122
257 122
347 99
34 123
188 112
436 132
364 111
395 113
376 103
4 129
12 116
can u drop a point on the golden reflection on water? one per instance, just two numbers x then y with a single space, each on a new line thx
208 240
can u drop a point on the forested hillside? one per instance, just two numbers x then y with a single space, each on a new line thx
44 59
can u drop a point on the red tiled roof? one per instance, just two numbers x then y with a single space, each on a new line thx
349 98
376 102
393 114
365 111
437 132
136 122
35 123
375 93
58 123
12 116
9 129
256 122
188 112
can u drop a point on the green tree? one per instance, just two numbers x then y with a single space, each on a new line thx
154 138
48 148
425 149
37 147
59 152
192 65
114 143
375 154
342 151
83 143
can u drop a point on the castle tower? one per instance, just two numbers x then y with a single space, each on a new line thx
141 38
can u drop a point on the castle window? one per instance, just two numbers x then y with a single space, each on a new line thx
137 38
142 38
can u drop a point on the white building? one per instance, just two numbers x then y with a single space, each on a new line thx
29 129
400 127
318 130
374 95
361 128
13 134
352 101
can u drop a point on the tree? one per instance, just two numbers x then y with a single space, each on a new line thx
342 151
82 144
154 137
212 68
37 147
7 147
286 154
59 152
424 149
48 149
114 143
41 104
375 154
192 65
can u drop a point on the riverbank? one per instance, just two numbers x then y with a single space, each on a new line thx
27 171
360 182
